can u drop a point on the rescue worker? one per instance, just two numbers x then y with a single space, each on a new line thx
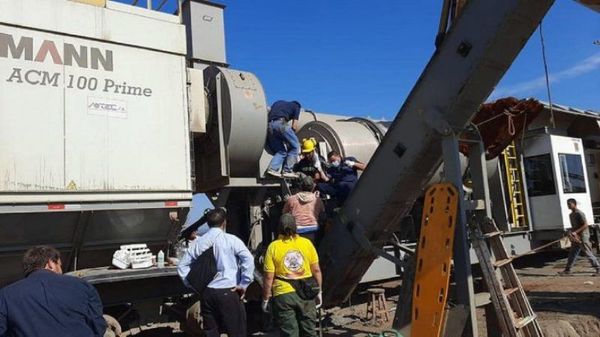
307 209
222 306
47 303
343 176
579 235
310 163
282 141
289 260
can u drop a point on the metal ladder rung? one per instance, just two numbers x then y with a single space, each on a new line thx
521 322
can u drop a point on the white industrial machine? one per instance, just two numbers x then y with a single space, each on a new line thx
111 116
555 172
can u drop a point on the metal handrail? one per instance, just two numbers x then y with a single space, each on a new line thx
149 5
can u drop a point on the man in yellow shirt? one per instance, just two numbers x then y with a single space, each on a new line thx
289 260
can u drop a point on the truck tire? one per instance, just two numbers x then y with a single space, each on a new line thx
114 328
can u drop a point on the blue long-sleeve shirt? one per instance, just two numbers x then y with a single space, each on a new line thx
235 264
48 304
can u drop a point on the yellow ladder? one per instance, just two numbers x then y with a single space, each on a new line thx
515 188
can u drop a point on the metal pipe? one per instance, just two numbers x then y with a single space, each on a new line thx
160 6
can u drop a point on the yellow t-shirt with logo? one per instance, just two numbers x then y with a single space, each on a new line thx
289 259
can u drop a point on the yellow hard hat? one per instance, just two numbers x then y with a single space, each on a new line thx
308 145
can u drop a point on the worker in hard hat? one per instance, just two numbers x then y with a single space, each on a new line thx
282 141
310 163
343 175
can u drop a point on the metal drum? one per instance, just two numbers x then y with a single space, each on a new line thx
356 137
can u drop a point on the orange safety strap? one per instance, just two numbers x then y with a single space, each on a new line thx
434 254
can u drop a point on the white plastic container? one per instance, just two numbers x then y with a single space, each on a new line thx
160 259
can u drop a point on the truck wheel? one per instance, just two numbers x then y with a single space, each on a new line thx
193 323
114 328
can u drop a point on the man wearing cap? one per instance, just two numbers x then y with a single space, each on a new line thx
310 164
282 141
306 208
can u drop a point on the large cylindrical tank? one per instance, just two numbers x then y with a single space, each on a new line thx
352 136
349 136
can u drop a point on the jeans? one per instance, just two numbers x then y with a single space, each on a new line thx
294 316
576 249
284 144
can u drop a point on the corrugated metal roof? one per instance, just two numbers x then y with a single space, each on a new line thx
571 110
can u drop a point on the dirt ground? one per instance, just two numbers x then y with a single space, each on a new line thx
567 306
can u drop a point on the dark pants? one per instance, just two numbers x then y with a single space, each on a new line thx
223 311
294 316
314 236
338 191
576 248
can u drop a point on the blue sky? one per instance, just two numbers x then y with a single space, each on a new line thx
362 58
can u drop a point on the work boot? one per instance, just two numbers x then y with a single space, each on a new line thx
273 173
565 272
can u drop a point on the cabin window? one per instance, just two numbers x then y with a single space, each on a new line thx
571 172
539 175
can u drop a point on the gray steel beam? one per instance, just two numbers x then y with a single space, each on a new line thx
465 293
475 54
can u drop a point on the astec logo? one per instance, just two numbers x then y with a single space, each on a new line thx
68 55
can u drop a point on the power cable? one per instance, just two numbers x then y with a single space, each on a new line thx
547 76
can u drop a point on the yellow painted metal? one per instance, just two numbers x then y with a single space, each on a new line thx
99 3
434 254
514 187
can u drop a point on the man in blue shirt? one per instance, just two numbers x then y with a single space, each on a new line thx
282 141
47 303
343 176
221 302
